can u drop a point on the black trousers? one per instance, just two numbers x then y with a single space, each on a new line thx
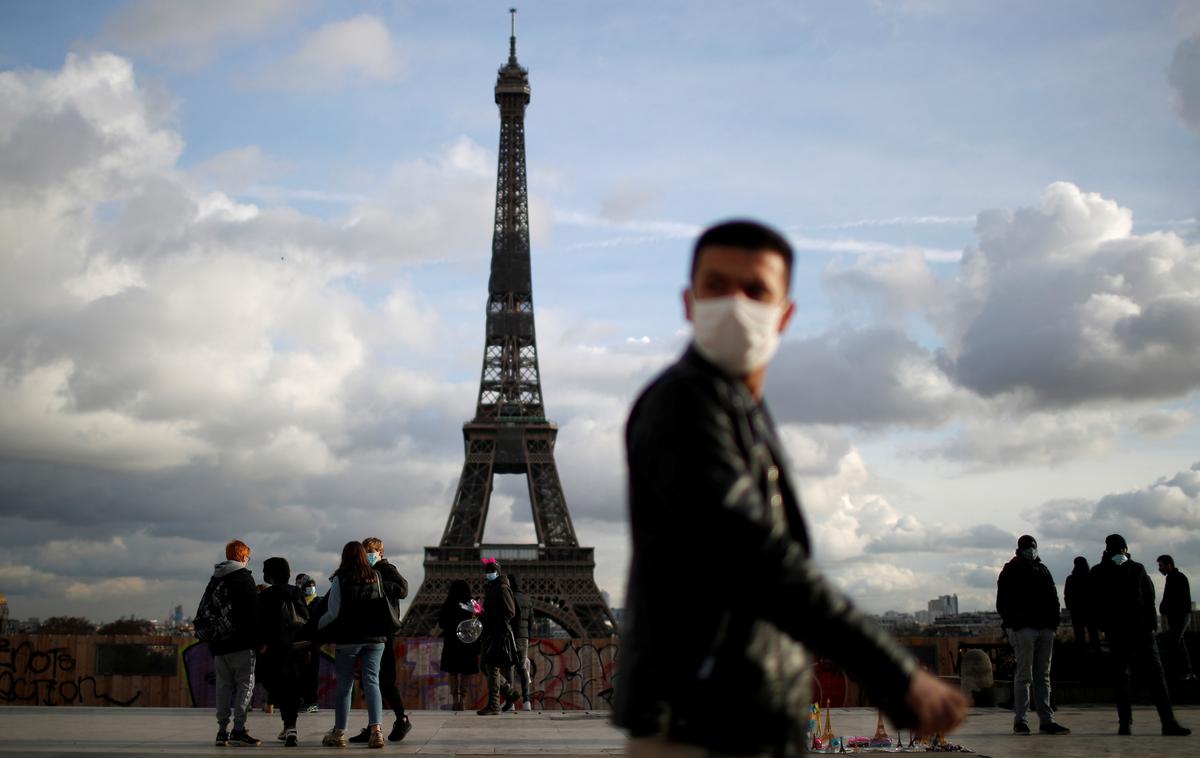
1175 647
281 672
387 678
1082 625
1138 650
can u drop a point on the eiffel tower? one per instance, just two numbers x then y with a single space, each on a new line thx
510 433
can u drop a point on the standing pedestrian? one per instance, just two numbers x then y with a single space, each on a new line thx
284 616
723 596
497 647
520 626
459 659
310 674
396 587
1123 597
1176 606
234 595
1027 600
356 607
1077 596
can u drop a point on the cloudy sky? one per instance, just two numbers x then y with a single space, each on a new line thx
244 253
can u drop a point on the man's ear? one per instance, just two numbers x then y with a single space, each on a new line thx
687 303
787 315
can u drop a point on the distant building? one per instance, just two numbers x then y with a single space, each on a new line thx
945 605
177 616
3 614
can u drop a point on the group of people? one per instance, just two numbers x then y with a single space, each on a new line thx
1115 596
501 652
274 632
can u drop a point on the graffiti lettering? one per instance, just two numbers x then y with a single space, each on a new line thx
45 677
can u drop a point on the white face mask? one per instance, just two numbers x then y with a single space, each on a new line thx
737 334
1120 558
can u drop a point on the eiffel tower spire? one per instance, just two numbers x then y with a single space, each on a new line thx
510 433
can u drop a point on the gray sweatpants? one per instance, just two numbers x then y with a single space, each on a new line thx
235 682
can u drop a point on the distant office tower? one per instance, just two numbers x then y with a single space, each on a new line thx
945 605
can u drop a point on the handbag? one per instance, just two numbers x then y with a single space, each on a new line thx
500 648
395 618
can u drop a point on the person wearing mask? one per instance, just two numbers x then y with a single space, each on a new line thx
310 676
520 626
234 658
1077 596
1027 600
1176 606
459 659
398 585
284 615
707 475
1123 597
496 655
356 608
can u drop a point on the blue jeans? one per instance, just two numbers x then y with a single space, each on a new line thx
369 653
1033 648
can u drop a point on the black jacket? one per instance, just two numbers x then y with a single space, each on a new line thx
1077 595
394 584
524 618
1026 595
721 590
362 613
499 609
1123 598
243 597
1177 596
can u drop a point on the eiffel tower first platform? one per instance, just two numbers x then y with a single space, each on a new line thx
510 433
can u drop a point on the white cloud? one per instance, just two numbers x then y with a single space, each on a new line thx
1183 75
1155 519
358 50
189 34
234 170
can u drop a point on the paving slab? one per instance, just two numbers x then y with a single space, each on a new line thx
137 732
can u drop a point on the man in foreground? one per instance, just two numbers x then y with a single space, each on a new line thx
724 603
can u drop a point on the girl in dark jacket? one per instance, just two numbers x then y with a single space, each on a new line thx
358 603
283 614
459 659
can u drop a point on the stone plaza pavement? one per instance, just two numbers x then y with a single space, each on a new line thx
136 732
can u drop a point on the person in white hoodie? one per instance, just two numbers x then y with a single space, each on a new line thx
234 656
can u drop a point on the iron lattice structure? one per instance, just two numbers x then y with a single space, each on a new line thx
510 433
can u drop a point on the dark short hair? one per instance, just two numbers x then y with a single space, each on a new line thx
1166 559
1026 541
748 235
277 570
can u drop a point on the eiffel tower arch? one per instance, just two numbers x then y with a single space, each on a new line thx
510 433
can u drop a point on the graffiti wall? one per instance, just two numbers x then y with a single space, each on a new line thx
124 671
62 670
564 675
178 672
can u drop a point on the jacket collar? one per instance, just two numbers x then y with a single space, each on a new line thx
693 360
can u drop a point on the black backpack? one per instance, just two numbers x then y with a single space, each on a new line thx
213 621
293 619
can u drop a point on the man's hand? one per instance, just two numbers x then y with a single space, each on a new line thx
938 706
